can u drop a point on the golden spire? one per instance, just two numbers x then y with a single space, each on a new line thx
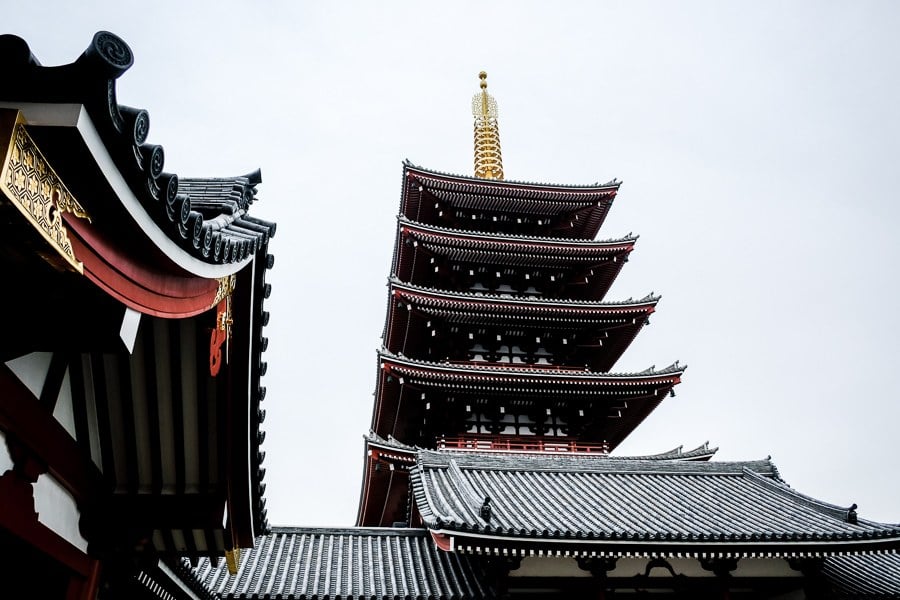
488 161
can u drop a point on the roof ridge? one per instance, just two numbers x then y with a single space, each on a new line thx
563 462
845 514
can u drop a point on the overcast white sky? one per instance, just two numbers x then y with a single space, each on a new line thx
759 146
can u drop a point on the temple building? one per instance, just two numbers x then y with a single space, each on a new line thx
131 393
490 470
132 350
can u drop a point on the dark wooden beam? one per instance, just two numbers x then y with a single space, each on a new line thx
53 381
23 416
175 360
98 378
152 396
237 399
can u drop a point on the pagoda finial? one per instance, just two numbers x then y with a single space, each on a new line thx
488 160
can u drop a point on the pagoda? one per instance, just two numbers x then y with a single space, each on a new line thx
498 336
489 469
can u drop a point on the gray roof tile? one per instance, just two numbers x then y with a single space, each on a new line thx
864 575
635 500
347 563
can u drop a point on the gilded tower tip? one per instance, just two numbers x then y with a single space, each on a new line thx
488 160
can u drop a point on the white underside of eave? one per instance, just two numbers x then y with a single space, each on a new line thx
75 115
465 541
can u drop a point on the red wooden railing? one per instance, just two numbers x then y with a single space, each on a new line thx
477 443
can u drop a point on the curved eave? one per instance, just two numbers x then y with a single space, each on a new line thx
139 285
76 116
509 249
537 200
538 305
244 392
610 245
376 496
626 399
419 171
526 375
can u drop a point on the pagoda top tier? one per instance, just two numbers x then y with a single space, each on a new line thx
513 207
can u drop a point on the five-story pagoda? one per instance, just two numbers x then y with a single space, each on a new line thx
498 336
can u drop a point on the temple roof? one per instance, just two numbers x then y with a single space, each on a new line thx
504 245
521 306
864 575
347 563
617 402
511 374
100 150
587 204
701 452
632 505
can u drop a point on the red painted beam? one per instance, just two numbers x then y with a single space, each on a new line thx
153 289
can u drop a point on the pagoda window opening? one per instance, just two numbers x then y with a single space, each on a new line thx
515 424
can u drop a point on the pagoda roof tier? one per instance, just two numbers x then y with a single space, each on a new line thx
615 403
305 562
614 507
566 211
99 149
608 328
600 261
384 494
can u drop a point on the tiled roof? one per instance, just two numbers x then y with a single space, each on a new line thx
864 575
523 305
347 563
576 211
512 375
701 452
493 239
657 504
207 218
614 184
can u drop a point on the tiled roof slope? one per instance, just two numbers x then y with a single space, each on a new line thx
208 218
636 502
864 576
347 563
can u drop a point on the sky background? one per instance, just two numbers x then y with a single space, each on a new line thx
758 143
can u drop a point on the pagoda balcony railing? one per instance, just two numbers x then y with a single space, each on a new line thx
517 365
500 443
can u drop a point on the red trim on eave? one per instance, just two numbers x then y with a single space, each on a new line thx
441 541
140 286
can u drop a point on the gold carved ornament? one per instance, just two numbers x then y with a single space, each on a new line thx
221 333
233 560
488 160
31 185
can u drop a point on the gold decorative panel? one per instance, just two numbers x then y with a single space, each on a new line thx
31 185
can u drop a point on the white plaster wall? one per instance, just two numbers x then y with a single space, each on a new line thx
31 370
63 411
57 510
6 462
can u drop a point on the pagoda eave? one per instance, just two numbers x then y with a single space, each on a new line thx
579 211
